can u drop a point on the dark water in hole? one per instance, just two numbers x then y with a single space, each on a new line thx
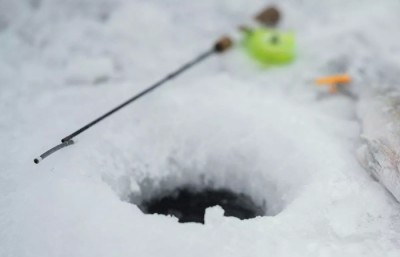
189 206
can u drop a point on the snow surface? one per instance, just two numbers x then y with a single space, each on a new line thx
380 151
227 123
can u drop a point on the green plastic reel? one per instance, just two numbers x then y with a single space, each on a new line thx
270 46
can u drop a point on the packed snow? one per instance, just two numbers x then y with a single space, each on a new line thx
227 123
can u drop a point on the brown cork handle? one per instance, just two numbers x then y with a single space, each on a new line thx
223 44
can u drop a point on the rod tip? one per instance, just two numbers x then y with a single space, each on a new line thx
37 160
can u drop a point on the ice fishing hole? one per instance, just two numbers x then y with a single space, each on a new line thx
190 205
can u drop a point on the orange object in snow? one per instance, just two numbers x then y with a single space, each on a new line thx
333 81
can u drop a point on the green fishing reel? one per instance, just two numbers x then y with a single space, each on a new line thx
270 46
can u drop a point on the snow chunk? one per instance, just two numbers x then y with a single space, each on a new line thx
214 215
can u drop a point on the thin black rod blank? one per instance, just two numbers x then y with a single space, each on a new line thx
144 92
66 141
220 46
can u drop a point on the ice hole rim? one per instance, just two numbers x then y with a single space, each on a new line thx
260 190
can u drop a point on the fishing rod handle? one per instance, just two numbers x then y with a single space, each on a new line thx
223 44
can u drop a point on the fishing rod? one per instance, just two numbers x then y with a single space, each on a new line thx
219 47
269 17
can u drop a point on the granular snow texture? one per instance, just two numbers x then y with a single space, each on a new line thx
226 124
